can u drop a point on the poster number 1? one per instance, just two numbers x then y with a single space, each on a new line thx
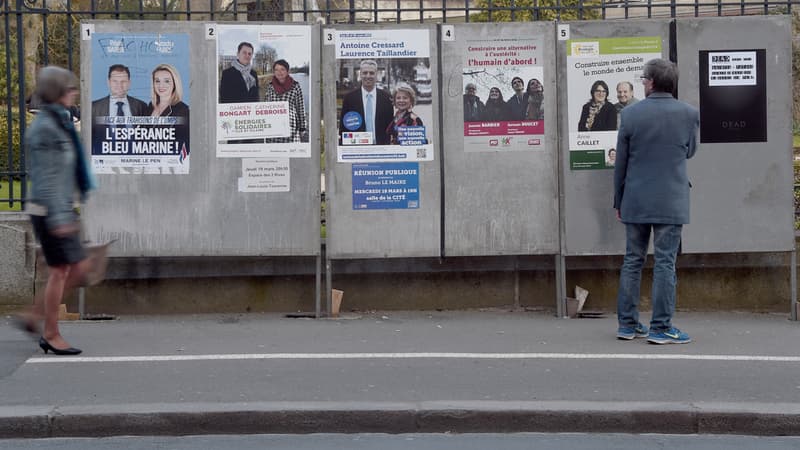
328 37
87 30
211 31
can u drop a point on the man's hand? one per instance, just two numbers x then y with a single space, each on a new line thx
619 217
65 230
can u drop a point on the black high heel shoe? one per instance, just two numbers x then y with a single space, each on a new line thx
57 351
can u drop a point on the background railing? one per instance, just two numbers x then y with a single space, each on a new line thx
36 33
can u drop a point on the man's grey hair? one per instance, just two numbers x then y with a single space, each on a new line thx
663 73
53 82
369 63
630 85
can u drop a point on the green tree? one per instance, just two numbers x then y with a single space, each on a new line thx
532 10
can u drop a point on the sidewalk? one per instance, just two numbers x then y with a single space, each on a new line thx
398 372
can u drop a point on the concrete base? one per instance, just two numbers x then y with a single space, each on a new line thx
16 260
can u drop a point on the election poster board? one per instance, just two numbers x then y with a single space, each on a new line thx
603 77
733 96
384 95
503 95
262 106
140 103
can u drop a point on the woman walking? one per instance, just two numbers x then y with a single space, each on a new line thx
59 175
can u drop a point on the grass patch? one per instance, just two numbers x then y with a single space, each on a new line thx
796 141
5 194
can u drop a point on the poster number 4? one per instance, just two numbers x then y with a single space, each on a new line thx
448 33
211 31
87 30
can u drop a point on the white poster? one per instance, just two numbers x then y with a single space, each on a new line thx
263 91
384 95
265 175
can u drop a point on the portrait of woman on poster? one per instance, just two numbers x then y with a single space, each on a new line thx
534 96
598 113
167 93
611 159
404 99
284 88
495 108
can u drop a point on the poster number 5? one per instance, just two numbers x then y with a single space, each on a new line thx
87 30
211 31
563 32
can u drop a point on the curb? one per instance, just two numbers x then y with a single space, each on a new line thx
782 419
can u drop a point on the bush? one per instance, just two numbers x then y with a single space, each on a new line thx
15 148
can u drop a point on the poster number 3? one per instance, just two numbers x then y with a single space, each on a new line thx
211 31
87 30
327 36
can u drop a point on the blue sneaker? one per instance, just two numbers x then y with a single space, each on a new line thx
628 333
671 336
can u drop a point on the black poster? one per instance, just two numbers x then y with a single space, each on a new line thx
733 96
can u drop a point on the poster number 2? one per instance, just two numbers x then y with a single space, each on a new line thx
211 31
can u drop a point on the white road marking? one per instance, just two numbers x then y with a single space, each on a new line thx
316 356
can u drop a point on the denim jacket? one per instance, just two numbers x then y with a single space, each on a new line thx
52 159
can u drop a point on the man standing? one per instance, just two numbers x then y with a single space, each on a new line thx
367 108
651 191
517 104
473 106
118 103
239 82
624 96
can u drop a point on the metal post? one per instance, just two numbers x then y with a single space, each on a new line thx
793 283
328 286
81 302
318 287
561 286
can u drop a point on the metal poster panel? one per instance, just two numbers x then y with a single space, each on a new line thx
602 78
386 186
140 103
263 91
503 95
384 92
733 96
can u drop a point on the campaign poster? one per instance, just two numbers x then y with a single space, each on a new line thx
140 103
263 91
386 186
384 95
503 93
603 77
733 96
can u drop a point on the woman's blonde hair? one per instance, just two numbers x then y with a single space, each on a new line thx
177 91
402 87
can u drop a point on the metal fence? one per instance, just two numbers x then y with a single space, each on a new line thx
40 32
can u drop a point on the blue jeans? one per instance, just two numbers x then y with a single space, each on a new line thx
666 239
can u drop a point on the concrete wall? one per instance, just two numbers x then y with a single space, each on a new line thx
721 282
16 260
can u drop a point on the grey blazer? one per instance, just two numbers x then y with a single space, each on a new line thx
656 136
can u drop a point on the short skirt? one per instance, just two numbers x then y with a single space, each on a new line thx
58 251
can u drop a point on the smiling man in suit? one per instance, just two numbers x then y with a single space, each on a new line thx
119 103
656 137
370 109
